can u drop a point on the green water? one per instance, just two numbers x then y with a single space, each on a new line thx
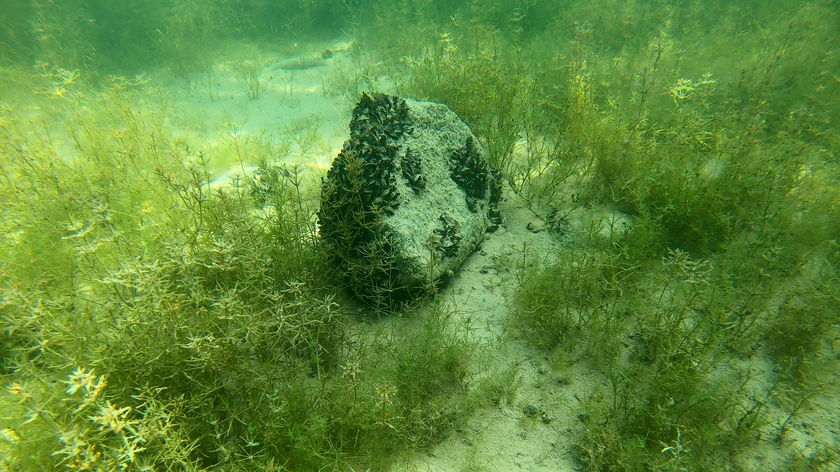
671 304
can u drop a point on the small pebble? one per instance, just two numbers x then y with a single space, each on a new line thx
530 411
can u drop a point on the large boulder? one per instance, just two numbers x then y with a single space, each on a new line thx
408 198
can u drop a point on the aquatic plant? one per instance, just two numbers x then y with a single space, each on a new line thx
154 319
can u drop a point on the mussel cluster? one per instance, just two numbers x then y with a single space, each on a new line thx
469 170
360 188
362 181
412 170
447 235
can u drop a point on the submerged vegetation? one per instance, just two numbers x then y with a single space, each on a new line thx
153 319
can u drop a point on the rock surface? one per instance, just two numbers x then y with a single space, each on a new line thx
408 198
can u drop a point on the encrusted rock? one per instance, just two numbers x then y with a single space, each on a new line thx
408 198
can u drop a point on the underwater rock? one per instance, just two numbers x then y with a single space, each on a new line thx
408 198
